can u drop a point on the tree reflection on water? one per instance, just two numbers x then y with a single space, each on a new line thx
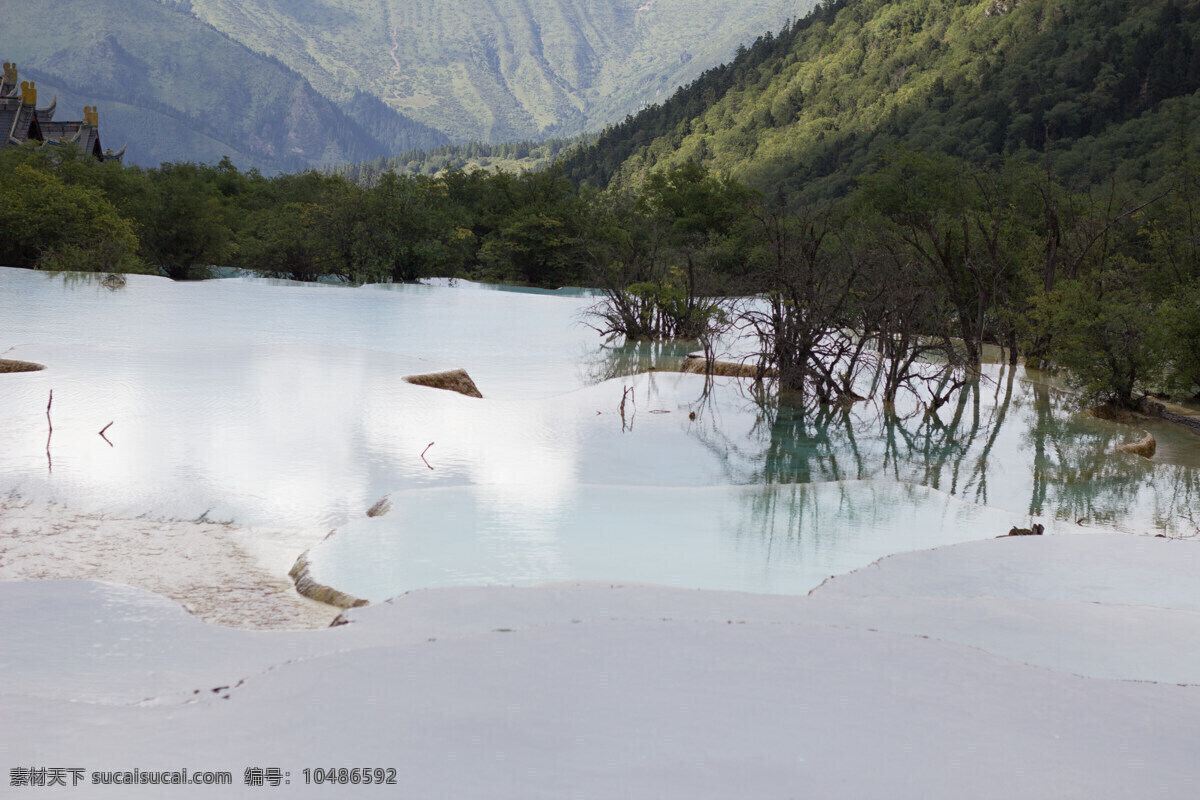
1007 440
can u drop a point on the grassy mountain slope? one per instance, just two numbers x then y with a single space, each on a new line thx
500 70
176 89
1097 85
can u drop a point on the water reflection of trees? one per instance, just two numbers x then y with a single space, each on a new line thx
1001 441
78 280
633 358
1078 477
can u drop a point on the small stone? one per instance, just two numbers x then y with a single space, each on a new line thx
381 507
1144 447
453 380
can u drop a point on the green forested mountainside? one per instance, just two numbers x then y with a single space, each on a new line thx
1101 87
176 89
503 70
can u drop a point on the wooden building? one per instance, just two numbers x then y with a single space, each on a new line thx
22 121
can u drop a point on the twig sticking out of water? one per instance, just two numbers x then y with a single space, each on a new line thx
627 392
49 461
102 436
423 452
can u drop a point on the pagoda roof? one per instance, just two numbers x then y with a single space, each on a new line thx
60 132
22 121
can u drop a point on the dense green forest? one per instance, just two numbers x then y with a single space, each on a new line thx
897 239
1093 88
62 210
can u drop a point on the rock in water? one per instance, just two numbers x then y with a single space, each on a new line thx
1144 448
11 365
697 365
454 380
383 506
310 588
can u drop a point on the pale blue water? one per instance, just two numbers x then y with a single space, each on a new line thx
282 404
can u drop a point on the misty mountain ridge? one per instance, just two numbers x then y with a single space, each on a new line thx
282 85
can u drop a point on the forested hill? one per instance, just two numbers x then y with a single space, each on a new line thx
1102 87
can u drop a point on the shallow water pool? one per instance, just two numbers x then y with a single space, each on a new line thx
268 403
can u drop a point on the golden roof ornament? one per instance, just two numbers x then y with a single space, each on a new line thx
91 117
28 93
10 72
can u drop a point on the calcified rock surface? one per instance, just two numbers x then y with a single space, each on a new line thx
205 567
312 589
452 380
694 365
1037 667
1171 413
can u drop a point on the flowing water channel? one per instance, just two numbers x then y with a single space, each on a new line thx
268 403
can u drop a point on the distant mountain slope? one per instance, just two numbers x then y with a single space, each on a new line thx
177 89
499 70
1098 86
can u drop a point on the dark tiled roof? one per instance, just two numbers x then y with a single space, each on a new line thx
8 118
89 140
60 131
26 117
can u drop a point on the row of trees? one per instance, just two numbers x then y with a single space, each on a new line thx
903 284
507 156
62 210
925 263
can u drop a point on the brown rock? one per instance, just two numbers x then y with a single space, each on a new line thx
453 380
1144 447
733 369
307 586
383 506
10 365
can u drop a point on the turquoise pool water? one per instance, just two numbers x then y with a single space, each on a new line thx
270 403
